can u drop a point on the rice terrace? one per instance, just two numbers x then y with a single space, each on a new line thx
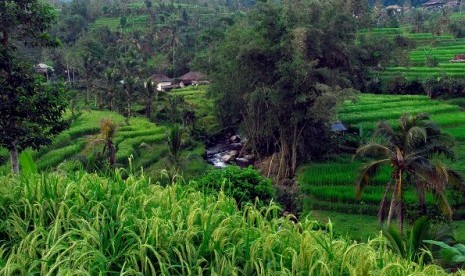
211 137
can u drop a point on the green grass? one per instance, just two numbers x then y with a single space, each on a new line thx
58 224
143 140
330 186
442 48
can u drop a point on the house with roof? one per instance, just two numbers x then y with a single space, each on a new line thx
434 5
193 78
44 69
393 9
162 82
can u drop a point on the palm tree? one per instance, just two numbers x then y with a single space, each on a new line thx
175 138
150 92
110 86
409 151
106 137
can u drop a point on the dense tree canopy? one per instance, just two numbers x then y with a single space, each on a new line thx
280 73
30 110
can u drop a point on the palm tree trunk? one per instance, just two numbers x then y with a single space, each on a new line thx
396 199
14 158
111 150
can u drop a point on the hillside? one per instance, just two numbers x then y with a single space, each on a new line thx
330 186
143 141
430 57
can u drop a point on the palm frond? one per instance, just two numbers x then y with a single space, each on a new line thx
383 128
393 235
442 203
456 180
367 172
414 136
432 149
374 150
420 231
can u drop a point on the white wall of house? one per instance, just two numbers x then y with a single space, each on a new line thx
162 84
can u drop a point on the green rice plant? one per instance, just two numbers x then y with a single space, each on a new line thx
55 157
132 146
346 194
449 119
388 105
82 223
378 115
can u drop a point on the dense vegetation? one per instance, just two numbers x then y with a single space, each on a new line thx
125 188
68 223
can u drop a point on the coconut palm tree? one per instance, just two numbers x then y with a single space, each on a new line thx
409 151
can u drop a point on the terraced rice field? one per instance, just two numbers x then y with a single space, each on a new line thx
329 186
441 48
142 140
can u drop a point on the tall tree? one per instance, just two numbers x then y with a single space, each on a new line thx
409 151
24 122
280 74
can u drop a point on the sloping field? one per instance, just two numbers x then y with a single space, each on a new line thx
330 186
428 47
141 140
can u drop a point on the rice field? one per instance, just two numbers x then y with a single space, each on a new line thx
441 48
141 140
79 223
329 186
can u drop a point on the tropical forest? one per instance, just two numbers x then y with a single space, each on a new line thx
232 137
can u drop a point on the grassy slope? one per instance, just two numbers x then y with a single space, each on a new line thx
61 224
143 140
442 48
330 185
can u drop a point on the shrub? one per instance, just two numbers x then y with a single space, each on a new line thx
245 185
457 27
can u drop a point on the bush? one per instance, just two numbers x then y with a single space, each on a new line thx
444 88
457 27
245 185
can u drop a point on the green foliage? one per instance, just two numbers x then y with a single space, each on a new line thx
450 255
329 185
293 71
414 246
28 167
176 137
86 223
244 185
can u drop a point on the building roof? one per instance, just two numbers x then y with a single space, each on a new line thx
43 68
157 78
433 2
393 7
193 76
338 126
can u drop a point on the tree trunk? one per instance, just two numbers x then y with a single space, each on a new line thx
111 149
14 158
396 199
391 207
148 107
87 91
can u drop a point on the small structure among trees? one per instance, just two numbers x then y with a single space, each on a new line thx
192 78
458 58
433 5
162 82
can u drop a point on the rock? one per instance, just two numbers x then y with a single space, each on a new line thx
249 157
243 162
235 139
229 156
